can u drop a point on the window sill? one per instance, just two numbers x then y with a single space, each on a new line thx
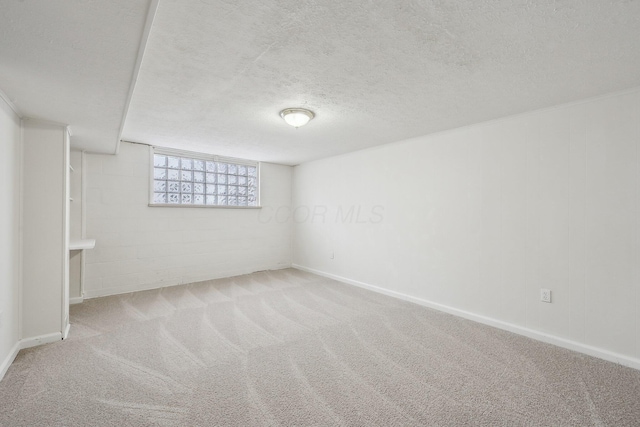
167 205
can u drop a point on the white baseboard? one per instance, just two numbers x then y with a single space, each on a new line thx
531 333
9 359
28 343
76 300
65 333
39 340
97 293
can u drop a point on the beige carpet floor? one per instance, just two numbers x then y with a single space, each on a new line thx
293 349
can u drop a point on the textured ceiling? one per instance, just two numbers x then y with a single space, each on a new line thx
217 72
72 62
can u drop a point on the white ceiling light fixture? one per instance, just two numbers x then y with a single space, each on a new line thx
297 117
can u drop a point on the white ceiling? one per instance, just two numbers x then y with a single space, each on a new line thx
72 62
216 73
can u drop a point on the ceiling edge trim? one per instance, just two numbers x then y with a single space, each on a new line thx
151 13
11 105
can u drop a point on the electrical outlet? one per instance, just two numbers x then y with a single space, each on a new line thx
545 295
331 255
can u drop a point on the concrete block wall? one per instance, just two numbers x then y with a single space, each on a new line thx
141 247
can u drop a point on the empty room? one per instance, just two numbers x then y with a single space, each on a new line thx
298 213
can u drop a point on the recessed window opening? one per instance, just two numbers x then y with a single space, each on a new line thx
180 178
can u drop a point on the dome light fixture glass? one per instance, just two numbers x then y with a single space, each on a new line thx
297 117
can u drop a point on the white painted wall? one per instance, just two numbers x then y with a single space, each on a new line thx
10 162
478 219
141 247
45 222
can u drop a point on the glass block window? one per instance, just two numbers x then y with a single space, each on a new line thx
180 178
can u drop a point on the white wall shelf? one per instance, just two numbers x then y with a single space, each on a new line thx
80 244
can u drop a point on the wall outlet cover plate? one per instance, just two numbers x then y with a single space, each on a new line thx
545 295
